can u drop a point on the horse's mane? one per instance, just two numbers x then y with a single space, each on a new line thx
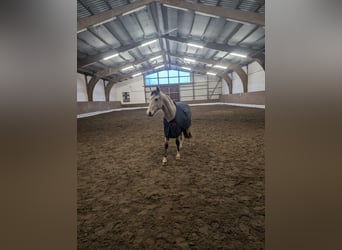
169 98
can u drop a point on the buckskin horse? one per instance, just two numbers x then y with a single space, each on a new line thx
177 119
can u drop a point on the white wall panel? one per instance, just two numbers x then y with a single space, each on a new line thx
200 79
225 89
82 95
256 77
186 92
214 87
99 92
201 88
201 93
254 67
237 84
134 86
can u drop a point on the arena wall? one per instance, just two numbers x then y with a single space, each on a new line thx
204 88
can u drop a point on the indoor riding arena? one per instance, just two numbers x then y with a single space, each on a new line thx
213 197
207 54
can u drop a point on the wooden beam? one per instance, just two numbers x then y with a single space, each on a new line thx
155 17
194 68
233 14
214 46
210 45
127 76
94 59
228 81
217 72
230 67
224 12
91 86
111 70
261 60
244 78
207 61
198 69
108 88
106 15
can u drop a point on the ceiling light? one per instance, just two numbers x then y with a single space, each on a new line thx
205 14
186 68
210 73
155 58
220 67
237 21
135 10
148 43
103 22
109 57
158 67
175 7
189 60
236 54
127 68
209 65
79 31
195 45
137 74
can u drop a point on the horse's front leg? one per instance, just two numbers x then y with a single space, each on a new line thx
177 143
166 146
181 139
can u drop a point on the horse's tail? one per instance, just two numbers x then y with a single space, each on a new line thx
187 133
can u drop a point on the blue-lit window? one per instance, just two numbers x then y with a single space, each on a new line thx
168 77
151 81
163 73
184 73
163 80
154 75
173 73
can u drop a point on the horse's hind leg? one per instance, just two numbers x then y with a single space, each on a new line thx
188 131
178 144
166 145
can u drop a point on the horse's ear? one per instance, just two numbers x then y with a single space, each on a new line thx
158 90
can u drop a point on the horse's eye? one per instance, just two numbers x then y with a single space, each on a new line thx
156 99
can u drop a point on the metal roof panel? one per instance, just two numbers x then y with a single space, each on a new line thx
131 24
199 25
241 33
106 35
95 6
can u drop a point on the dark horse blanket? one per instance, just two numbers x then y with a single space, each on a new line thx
181 123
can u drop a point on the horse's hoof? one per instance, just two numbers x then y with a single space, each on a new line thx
164 162
178 156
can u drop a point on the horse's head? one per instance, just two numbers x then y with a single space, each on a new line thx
155 103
